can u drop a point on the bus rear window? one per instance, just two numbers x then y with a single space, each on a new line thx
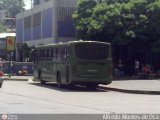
91 51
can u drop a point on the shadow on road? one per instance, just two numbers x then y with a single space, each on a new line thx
79 88
76 88
131 91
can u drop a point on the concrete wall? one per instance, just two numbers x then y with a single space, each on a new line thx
46 23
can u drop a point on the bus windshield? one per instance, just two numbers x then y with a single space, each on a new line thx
92 51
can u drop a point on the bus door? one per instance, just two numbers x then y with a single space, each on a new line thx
35 56
63 65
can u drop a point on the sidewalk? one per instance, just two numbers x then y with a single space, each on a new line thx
17 78
125 86
135 86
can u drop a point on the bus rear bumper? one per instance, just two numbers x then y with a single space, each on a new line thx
77 80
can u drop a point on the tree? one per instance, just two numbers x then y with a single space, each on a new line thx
24 51
12 7
82 17
132 26
2 28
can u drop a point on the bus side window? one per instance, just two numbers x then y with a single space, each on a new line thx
51 53
59 54
56 54
35 56
67 52
43 54
40 56
63 54
47 53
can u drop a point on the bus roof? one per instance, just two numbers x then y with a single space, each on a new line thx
70 42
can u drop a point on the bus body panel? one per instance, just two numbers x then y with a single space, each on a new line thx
73 65
85 81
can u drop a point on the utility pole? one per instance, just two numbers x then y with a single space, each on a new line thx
31 4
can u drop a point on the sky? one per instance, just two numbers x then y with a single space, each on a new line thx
27 4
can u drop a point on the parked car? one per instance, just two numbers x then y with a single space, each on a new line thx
1 78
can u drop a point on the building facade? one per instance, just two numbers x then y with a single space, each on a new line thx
2 15
37 2
4 52
49 22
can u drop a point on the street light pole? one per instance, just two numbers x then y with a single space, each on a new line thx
31 4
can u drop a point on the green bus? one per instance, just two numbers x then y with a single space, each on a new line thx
86 63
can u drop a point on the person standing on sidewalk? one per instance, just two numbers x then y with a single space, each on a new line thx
1 78
1 64
136 67
120 69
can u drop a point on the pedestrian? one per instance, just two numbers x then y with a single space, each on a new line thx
116 72
1 79
1 64
136 67
146 70
120 69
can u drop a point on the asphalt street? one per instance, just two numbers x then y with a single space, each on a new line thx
137 86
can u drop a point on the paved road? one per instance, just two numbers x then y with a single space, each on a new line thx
146 85
126 86
31 97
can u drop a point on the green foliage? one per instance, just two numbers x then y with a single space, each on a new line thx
2 28
83 17
133 23
12 6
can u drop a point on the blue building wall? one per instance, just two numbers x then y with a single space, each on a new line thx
66 28
19 30
47 23
27 28
27 34
37 32
37 25
43 25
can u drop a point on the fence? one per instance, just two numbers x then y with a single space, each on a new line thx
18 68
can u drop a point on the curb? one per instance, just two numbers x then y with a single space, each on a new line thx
132 91
147 92
15 79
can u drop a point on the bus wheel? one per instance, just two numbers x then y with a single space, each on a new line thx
70 86
92 86
0 85
41 81
59 80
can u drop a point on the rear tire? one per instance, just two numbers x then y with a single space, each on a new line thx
42 82
40 78
59 82
92 86
70 86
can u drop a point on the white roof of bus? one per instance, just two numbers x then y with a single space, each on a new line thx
68 43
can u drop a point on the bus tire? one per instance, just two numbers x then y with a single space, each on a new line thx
40 78
0 85
42 82
70 86
92 86
59 82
